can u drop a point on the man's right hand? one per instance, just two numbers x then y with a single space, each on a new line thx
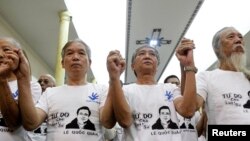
115 64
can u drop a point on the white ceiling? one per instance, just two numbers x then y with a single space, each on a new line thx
37 21
173 17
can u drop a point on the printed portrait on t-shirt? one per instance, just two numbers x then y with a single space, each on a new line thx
82 120
187 124
42 129
247 104
164 121
2 122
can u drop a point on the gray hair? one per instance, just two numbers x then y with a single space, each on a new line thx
216 42
76 41
11 41
144 46
52 78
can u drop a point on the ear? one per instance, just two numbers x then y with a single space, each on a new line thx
132 66
90 62
62 63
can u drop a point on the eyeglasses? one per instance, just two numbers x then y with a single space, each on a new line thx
176 83
43 81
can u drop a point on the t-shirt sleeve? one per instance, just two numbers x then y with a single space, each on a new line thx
176 91
201 84
36 91
103 94
42 102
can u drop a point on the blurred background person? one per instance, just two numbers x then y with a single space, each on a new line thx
173 79
46 80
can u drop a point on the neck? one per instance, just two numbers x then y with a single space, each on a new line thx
146 79
77 82
77 79
227 66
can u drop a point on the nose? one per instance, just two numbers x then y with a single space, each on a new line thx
147 54
76 56
1 54
239 39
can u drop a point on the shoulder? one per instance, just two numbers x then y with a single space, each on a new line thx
35 86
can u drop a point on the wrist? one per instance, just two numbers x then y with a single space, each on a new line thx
190 68
3 81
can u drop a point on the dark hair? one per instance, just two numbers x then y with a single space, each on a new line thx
164 107
170 76
83 108
76 41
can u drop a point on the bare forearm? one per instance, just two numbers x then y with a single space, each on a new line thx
26 105
188 103
9 107
183 78
120 105
199 125
107 115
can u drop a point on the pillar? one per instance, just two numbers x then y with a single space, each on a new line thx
65 19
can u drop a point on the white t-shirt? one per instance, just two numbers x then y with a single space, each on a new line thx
225 93
19 134
145 102
202 138
188 127
63 105
119 133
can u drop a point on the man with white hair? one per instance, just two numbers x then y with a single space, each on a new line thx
12 85
225 89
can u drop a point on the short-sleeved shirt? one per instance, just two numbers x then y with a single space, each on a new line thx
225 93
61 105
145 102
20 134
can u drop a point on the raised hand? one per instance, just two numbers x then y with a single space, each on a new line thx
184 52
115 64
23 69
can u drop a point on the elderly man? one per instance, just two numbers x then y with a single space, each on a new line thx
13 83
58 104
135 106
46 81
225 89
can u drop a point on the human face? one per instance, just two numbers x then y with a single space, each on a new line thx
187 120
8 55
173 80
165 115
45 82
145 61
75 60
232 49
231 42
83 116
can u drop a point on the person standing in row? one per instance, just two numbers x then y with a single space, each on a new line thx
59 104
39 134
13 83
225 90
136 106
46 81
